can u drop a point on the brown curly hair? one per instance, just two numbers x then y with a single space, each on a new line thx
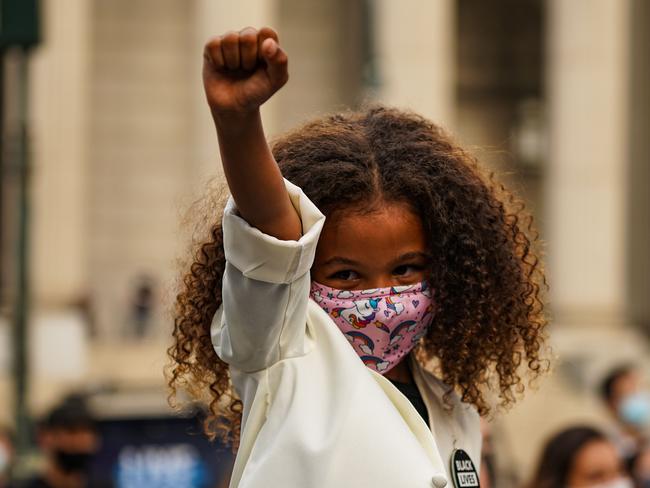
489 326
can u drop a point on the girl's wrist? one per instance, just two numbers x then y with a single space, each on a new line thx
233 122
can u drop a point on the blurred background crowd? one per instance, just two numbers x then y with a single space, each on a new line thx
106 142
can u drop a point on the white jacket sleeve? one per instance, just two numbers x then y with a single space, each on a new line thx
262 318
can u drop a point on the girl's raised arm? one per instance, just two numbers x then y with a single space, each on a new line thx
241 71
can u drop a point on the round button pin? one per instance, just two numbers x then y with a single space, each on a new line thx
439 481
463 471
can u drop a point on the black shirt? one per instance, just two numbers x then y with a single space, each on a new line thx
410 391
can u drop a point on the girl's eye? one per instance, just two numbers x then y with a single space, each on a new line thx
406 269
345 275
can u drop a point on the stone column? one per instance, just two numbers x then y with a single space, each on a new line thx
586 187
414 42
214 17
59 129
588 76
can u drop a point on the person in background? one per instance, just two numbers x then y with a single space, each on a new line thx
487 474
69 439
580 457
6 455
639 467
142 306
629 406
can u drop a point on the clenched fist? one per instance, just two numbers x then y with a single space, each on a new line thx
242 70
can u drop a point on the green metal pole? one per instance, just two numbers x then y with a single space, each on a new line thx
21 312
3 174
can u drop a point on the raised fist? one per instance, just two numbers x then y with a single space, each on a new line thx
242 70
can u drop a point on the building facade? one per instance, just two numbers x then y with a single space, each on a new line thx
555 94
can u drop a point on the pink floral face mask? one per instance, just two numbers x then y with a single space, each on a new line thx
382 324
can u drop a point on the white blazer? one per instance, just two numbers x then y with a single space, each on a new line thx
314 415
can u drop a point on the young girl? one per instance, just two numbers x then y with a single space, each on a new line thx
360 255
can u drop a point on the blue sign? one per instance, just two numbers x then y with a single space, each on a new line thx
159 452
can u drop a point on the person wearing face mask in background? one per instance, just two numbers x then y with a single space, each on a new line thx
639 467
580 457
629 406
69 439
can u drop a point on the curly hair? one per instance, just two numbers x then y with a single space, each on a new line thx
489 329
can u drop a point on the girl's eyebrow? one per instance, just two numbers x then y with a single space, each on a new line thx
352 262
340 260
412 255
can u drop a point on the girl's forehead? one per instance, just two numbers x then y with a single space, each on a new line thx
390 230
